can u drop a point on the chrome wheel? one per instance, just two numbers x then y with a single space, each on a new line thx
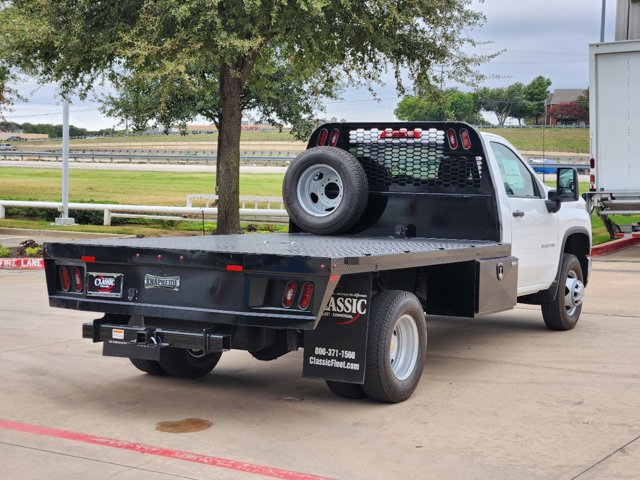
573 293
320 190
404 346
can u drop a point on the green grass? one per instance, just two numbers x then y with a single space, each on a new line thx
149 188
118 186
570 140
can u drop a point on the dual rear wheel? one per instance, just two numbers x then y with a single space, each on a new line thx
178 362
396 350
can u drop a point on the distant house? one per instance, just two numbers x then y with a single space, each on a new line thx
565 96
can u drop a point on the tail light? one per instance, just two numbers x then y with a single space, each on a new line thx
592 182
305 296
289 294
453 139
466 139
335 135
65 278
322 138
76 279
402 133
592 163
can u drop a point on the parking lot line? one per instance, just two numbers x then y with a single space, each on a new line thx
159 451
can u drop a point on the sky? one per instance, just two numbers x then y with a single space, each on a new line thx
540 37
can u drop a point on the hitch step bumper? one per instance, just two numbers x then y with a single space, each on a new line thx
147 342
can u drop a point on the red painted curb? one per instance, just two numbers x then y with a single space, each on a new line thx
614 245
159 451
22 263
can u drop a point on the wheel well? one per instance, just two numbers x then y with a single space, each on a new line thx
578 244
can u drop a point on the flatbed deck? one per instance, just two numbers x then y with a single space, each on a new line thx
347 254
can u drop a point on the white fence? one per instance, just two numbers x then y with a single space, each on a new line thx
261 213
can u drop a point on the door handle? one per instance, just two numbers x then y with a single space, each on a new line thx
518 213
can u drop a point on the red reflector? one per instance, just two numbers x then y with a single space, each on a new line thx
466 139
305 296
453 139
592 163
289 294
234 268
592 182
65 278
322 138
335 135
76 275
334 278
86 259
416 133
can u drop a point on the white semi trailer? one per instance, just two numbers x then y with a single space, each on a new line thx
614 106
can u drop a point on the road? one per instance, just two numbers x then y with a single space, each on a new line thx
501 398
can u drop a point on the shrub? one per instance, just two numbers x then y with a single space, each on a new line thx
4 251
33 251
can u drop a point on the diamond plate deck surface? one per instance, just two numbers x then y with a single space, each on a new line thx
297 245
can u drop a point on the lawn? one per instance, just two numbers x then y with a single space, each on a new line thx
148 188
124 187
570 140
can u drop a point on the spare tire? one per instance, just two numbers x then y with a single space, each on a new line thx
325 190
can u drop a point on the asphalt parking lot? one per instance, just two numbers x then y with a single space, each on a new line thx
501 398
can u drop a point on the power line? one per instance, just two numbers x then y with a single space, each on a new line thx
47 114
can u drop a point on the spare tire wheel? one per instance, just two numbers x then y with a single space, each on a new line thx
325 190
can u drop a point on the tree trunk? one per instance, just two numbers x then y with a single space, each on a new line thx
228 173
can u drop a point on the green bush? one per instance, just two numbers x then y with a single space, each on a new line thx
83 217
33 251
4 251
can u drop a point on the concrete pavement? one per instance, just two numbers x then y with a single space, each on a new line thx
501 398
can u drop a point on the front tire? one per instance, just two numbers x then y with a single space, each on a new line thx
179 362
563 313
396 346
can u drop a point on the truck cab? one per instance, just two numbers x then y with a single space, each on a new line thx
538 235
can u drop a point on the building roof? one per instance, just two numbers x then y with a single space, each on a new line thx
565 95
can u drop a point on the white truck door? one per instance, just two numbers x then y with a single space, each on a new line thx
534 231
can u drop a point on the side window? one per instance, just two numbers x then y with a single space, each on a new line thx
518 180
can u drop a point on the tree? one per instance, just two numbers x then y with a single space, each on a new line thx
504 102
535 95
569 113
188 45
436 104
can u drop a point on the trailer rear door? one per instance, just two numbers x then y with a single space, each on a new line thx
615 116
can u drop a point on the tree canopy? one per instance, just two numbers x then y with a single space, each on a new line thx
216 53
517 100
436 104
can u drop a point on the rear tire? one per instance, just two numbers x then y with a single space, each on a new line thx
396 346
151 367
346 390
179 362
563 313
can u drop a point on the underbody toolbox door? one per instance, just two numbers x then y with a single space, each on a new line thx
337 348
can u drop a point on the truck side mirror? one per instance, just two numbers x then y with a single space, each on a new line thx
566 189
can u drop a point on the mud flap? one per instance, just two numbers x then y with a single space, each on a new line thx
337 348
